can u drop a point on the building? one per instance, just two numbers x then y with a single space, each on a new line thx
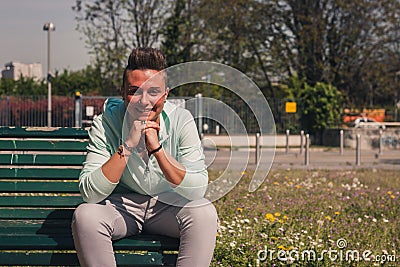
14 70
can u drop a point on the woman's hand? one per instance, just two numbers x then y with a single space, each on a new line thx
136 132
151 135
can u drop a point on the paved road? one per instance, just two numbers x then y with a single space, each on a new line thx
320 158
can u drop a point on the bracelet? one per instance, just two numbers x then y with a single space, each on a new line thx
121 153
130 149
154 151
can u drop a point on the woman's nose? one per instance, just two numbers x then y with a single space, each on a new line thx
144 99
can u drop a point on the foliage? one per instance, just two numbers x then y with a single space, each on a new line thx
321 107
23 86
299 210
320 104
113 27
88 81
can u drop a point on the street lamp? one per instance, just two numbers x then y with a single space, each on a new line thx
48 26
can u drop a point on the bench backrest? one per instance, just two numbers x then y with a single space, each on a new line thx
37 166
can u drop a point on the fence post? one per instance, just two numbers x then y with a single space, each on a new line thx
78 109
358 150
380 142
307 153
199 113
287 141
341 142
301 141
257 147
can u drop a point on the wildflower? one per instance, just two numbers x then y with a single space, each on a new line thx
240 209
328 218
337 212
255 220
389 192
276 183
359 220
374 220
385 220
277 214
246 220
270 217
285 217
392 196
282 247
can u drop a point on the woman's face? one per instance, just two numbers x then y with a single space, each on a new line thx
144 97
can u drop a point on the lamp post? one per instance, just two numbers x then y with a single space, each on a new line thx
48 26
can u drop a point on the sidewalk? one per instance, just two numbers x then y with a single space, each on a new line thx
320 158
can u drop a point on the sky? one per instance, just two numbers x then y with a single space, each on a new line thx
23 39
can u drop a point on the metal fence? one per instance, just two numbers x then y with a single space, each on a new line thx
32 111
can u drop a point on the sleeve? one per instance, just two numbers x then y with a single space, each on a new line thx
93 185
191 156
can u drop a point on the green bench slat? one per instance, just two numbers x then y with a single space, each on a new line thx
35 213
46 174
65 242
40 201
42 159
41 145
43 132
70 259
33 186
29 227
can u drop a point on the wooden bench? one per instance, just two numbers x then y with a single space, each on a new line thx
39 171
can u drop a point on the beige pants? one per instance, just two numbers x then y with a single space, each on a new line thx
94 226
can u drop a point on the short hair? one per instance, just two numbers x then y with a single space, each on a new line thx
145 58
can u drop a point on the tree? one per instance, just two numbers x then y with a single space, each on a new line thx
340 42
113 27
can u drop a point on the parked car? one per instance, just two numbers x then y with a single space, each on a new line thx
365 122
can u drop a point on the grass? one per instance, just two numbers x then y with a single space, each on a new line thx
331 213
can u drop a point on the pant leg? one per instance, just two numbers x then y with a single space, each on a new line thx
196 226
94 226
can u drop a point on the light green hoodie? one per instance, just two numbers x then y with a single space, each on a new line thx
178 136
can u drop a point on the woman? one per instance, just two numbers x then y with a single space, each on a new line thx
144 172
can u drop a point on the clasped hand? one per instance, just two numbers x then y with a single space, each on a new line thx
147 130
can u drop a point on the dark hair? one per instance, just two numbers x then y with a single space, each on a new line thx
145 58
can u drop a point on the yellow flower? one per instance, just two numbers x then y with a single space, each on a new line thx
276 183
298 186
392 196
281 221
270 217
328 218
239 209
337 212
285 217
281 247
389 192
277 214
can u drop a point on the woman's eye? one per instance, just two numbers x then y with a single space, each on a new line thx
134 91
